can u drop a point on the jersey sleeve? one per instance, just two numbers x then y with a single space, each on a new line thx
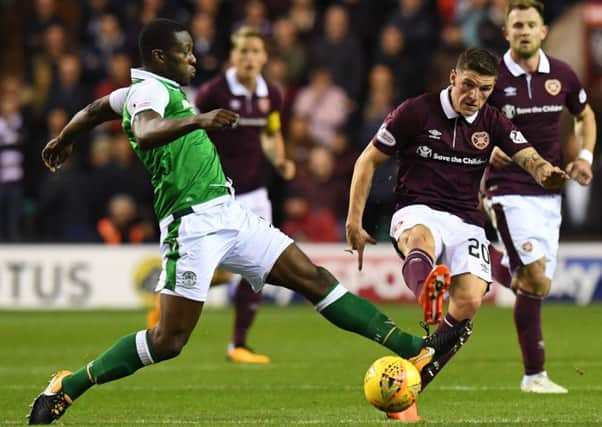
576 98
507 136
148 95
400 124
117 99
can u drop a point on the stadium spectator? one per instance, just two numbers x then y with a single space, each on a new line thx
298 140
381 199
488 29
209 48
123 224
304 15
44 16
109 40
68 92
205 216
442 143
305 224
288 47
390 52
469 15
444 59
418 24
12 163
44 65
317 184
532 90
323 104
64 211
338 50
255 16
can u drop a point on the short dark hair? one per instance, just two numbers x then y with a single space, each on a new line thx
157 34
478 60
524 5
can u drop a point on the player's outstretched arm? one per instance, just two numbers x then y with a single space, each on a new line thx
545 174
151 130
585 131
363 172
58 150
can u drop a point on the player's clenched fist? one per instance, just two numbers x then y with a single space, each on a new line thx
218 119
55 153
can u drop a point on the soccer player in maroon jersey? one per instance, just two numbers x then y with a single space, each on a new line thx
532 89
442 143
244 90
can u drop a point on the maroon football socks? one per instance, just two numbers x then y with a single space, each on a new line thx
416 267
246 303
527 318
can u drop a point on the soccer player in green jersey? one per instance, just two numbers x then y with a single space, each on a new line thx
202 228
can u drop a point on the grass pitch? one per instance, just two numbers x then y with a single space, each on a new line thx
315 378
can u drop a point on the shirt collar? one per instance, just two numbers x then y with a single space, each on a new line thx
139 73
448 109
516 70
261 89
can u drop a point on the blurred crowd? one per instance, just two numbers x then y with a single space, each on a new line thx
341 66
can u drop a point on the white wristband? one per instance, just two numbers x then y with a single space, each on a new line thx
586 155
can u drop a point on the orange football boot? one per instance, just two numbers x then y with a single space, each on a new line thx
410 415
246 355
431 297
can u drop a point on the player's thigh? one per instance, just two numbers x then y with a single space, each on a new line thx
257 248
417 226
466 295
466 250
191 248
295 271
529 227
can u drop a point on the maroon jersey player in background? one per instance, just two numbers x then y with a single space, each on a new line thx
531 90
442 143
243 89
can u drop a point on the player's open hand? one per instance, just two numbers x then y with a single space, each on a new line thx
499 159
357 238
551 177
581 171
218 119
56 153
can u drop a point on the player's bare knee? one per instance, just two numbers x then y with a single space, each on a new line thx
419 237
533 280
167 345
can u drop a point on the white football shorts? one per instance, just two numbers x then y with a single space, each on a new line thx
219 233
462 247
529 228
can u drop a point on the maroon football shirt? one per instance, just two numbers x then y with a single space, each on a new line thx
534 103
240 148
441 155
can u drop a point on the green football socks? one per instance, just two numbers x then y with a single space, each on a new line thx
354 314
125 357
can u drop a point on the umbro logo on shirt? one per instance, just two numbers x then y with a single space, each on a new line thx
510 91
434 134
